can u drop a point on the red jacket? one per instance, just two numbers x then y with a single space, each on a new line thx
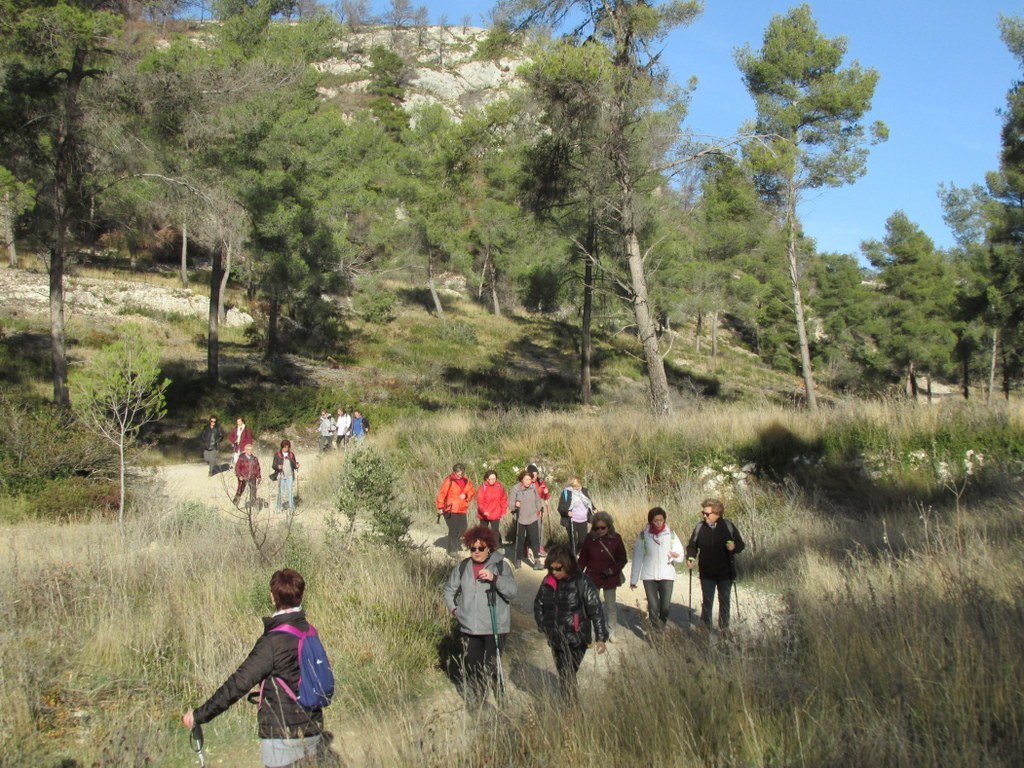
448 497
248 467
542 489
247 439
491 501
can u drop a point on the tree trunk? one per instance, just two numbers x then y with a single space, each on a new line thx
928 383
661 405
222 294
798 306
586 323
433 289
63 180
700 327
714 336
495 304
966 372
120 498
912 389
184 255
7 232
213 334
273 313
483 276
992 367
58 348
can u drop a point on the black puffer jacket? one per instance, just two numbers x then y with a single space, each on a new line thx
276 654
565 610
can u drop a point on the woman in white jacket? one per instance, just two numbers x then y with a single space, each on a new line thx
655 553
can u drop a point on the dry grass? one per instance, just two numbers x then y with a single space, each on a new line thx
898 643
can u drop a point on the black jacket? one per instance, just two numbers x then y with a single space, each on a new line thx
565 614
211 437
715 561
276 654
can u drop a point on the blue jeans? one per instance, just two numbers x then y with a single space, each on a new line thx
659 600
286 489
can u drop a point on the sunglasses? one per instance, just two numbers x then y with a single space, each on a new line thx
556 568
708 514
478 549
600 527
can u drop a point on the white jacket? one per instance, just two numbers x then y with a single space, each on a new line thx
651 558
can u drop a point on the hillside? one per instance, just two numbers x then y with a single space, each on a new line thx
407 359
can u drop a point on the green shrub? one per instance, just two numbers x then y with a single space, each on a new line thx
368 494
376 305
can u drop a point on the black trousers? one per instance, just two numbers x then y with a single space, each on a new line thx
708 586
456 527
479 660
568 659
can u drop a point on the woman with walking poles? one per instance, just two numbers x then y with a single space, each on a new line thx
713 546
527 507
478 594
288 732
491 502
603 558
568 611
286 472
655 554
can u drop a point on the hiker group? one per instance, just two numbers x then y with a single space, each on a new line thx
575 604
334 432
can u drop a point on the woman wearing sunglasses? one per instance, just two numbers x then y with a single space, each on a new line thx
568 611
478 594
603 558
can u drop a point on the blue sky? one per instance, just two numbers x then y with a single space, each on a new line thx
944 74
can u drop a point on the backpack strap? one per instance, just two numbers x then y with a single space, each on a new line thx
295 632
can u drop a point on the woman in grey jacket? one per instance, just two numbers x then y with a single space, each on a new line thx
478 594
526 504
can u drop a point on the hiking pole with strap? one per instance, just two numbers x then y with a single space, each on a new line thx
689 601
492 601
195 741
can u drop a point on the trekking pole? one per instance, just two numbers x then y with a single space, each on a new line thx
689 602
195 741
492 605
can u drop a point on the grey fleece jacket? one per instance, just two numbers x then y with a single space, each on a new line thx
470 605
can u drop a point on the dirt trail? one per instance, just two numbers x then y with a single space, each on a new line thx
529 667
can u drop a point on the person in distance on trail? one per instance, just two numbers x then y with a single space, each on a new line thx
603 558
286 470
568 611
326 429
343 428
491 502
466 596
713 545
288 732
527 507
240 437
360 425
248 472
577 510
655 554
210 440
453 502
544 493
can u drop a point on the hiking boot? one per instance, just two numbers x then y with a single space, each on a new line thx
542 552
538 566
517 564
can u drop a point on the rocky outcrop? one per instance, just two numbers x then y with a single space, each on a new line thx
442 67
